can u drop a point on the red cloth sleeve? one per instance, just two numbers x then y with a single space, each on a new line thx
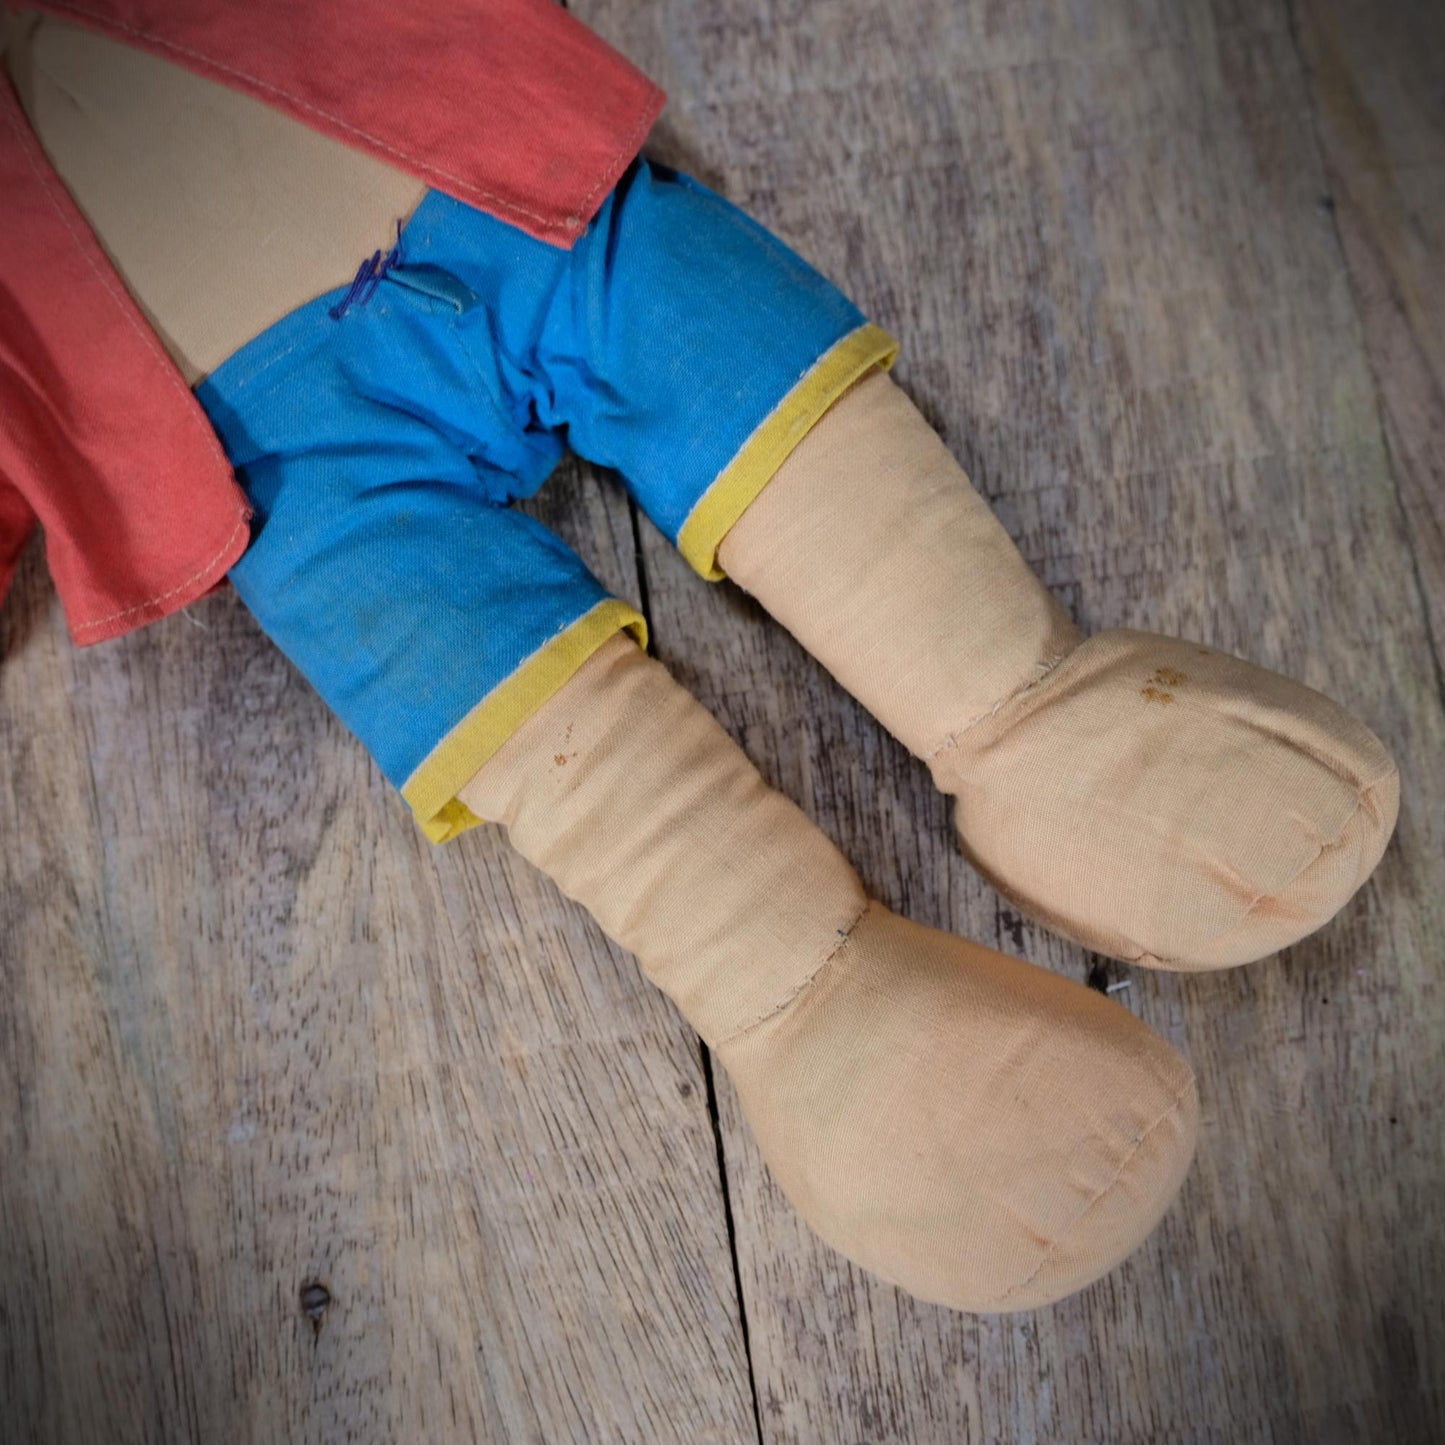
101 439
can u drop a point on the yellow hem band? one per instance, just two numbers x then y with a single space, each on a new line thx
432 788
738 484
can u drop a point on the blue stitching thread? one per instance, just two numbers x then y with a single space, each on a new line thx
368 278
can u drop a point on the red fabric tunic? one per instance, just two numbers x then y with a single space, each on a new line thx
510 105
100 440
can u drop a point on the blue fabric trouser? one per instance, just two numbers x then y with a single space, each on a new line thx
381 432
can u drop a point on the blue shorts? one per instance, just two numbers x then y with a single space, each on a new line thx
381 431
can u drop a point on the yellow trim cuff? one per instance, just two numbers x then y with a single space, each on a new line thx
738 484
432 789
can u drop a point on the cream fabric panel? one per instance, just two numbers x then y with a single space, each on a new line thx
220 213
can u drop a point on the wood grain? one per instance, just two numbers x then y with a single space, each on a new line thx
1098 230
257 1035
1377 76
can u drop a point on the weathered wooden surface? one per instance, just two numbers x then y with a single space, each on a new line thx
1102 233
1176 304
1377 77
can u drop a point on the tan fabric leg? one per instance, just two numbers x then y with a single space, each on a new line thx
917 1097
1153 799
220 213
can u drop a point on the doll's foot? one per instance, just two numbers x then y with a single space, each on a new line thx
1171 805
919 1105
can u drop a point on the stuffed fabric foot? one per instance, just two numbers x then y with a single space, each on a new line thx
919 1105
1169 804
1153 799
917 1097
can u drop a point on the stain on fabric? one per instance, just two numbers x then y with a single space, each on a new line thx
1156 689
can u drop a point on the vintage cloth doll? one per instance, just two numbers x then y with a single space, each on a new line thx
915 1095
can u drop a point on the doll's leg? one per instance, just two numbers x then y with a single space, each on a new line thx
1154 799
916 1096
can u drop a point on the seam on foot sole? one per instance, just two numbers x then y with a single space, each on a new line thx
1176 965
1171 1112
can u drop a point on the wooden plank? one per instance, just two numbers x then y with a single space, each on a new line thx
1097 230
257 1036
1377 79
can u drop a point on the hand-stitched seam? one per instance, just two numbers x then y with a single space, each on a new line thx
167 365
1043 668
628 146
844 934
165 596
1084 1213
428 167
1330 845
